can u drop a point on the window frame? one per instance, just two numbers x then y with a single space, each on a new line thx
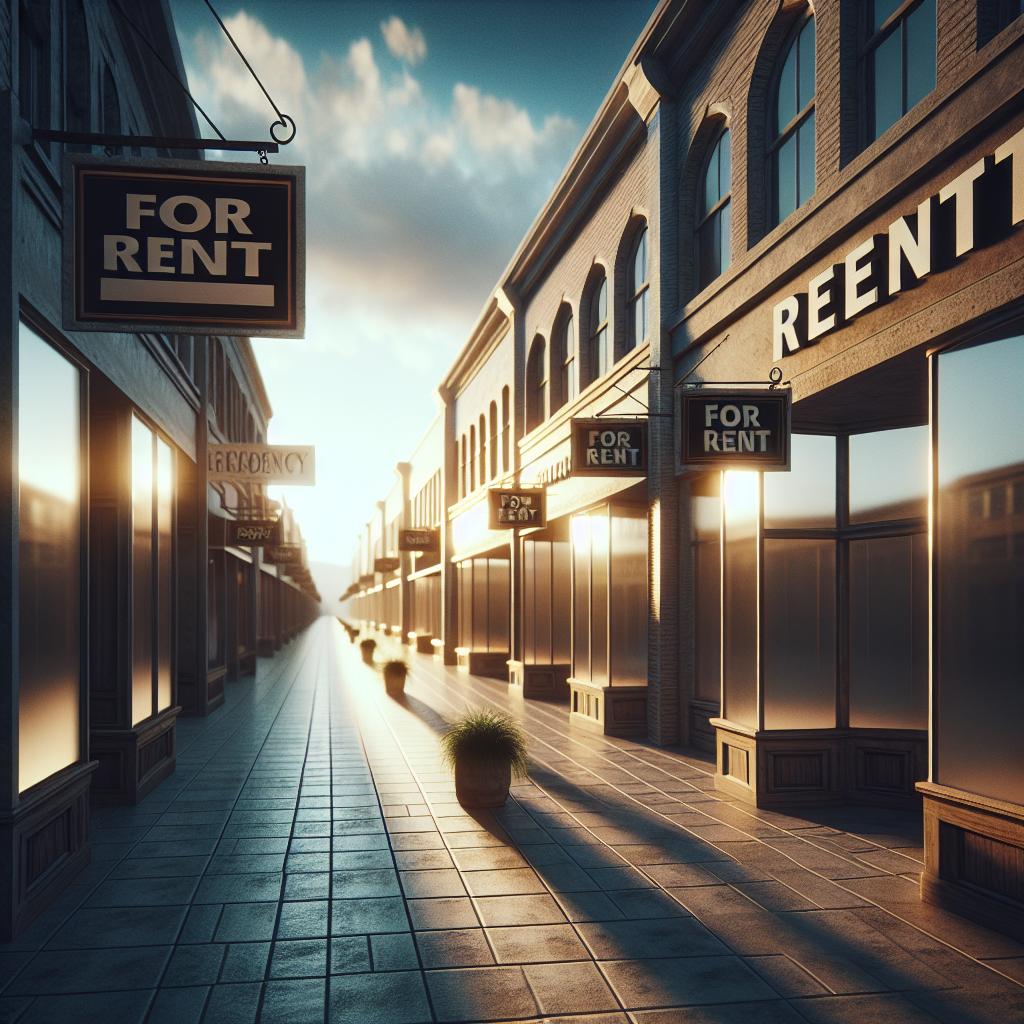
598 329
641 294
723 201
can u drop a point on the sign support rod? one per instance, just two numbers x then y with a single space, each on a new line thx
149 141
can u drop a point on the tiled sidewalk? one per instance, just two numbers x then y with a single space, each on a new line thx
308 863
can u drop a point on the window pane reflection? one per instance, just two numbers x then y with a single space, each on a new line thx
142 571
708 595
628 599
889 474
889 632
979 595
740 494
799 634
805 497
165 587
49 541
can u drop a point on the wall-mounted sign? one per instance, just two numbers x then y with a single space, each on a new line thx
419 540
522 506
386 564
981 204
609 448
184 246
253 533
735 429
283 554
261 463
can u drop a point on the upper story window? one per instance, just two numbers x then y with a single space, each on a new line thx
483 451
34 62
639 289
506 427
792 131
715 220
462 470
899 60
472 458
494 439
536 384
563 359
995 15
598 334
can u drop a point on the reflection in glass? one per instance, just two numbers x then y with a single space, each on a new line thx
889 474
799 634
546 602
49 542
740 495
628 599
165 587
901 64
889 632
805 497
599 568
708 593
713 217
142 571
580 529
979 592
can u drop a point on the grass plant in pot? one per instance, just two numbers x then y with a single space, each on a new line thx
394 677
484 750
366 649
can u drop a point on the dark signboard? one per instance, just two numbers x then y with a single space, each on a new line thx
514 507
366 580
385 564
419 540
735 429
253 533
184 246
283 554
609 448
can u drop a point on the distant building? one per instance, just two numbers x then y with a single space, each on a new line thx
835 190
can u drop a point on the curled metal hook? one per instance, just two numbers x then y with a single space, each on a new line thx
287 124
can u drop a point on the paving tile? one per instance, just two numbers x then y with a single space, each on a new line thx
350 954
286 1002
786 976
143 892
398 998
570 988
367 916
878 1009
432 883
669 937
536 944
200 924
496 911
160 867
460 947
649 984
246 922
304 920
110 1008
377 841
91 970
481 994
395 952
736 1013
239 888
447 912
119 926
246 864
245 961
194 965
589 906
374 860
638 904
178 1005
299 958
350 884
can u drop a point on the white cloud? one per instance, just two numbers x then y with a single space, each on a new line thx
414 204
404 43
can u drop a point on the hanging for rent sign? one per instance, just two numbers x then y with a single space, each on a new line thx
184 246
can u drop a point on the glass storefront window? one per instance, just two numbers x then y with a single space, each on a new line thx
979 569
799 634
889 475
142 571
165 570
707 558
805 497
740 496
49 555
628 604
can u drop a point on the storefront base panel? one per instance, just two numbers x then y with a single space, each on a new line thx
789 769
610 710
701 731
46 843
247 664
539 682
492 664
974 857
132 762
422 643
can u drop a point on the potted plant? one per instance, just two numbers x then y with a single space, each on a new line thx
366 649
484 749
394 677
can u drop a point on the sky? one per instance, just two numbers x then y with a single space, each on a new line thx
432 132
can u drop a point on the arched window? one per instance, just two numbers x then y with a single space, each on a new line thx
506 428
472 458
78 84
639 288
598 334
536 384
714 220
899 59
494 439
563 359
483 451
792 128
462 470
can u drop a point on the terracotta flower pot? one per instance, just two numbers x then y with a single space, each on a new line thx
394 678
366 649
482 783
